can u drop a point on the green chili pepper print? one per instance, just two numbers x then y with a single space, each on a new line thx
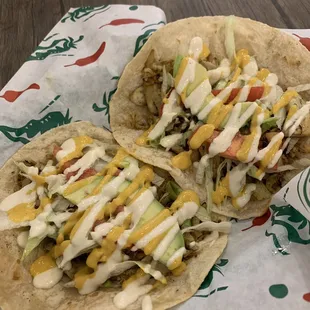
209 278
32 128
141 40
49 37
105 104
161 22
293 223
56 48
83 12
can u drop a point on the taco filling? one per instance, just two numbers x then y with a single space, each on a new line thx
227 119
105 221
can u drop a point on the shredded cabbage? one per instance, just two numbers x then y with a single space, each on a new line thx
156 274
201 169
54 183
302 162
209 185
202 214
300 88
230 37
164 85
223 227
280 115
219 170
291 144
284 168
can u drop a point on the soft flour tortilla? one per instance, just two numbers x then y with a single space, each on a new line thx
16 289
273 49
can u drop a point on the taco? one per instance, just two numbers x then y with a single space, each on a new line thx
220 103
78 214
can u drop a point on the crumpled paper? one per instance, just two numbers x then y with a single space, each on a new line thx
72 76
73 73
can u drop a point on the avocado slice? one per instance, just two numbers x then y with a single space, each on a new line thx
154 208
207 101
221 84
81 193
77 196
201 74
244 107
176 64
178 242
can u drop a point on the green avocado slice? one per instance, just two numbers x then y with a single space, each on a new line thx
176 64
155 208
77 196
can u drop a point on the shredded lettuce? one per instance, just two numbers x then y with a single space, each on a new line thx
155 143
187 223
230 37
269 123
107 284
173 189
252 173
32 243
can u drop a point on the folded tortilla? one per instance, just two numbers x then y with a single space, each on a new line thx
273 49
16 289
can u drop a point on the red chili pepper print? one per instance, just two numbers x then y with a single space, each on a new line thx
259 221
12 95
306 297
123 21
90 59
304 41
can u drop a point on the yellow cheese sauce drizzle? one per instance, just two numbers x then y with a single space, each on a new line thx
243 153
27 211
203 133
42 264
284 100
182 160
142 140
80 143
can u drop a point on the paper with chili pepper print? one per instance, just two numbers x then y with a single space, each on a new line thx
73 73
72 76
